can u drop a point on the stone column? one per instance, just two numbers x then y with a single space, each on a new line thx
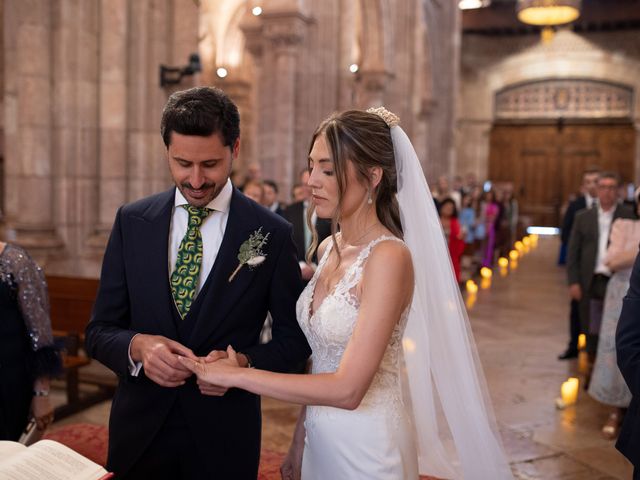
28 126
285 31
113 116
372 85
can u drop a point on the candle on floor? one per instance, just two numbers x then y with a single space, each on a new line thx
568 393
485 283
472 288
519 246
486 272
504 271
503 262
582 341
513 255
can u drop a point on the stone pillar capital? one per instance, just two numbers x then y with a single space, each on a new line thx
285 30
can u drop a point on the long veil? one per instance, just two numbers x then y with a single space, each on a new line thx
438 341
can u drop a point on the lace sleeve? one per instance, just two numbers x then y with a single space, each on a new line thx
33 303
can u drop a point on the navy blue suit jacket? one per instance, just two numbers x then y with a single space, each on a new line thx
628 353
135 297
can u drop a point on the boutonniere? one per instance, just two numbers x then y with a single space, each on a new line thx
251 251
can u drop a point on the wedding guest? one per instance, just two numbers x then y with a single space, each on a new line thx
588 199
490 212
467 219
607 385
587 271
28 355
452 232
270 198
254 190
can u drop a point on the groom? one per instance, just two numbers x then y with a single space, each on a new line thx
172 284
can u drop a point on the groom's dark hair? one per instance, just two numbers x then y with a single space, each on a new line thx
201 111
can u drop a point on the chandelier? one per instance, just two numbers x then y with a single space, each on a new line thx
548 13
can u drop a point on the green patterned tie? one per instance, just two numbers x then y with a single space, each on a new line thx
184 279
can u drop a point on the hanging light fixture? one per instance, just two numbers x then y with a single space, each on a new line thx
548 13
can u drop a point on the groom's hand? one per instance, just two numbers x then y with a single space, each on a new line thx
159 357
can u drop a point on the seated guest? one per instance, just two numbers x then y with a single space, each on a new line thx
28 357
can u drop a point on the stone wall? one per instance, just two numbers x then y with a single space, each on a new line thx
82 102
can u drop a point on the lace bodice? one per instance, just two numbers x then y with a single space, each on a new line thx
329 329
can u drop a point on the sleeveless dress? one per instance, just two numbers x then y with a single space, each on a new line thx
376 440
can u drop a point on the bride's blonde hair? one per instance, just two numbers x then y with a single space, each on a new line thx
364 139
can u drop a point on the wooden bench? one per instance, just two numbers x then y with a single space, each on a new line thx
71 302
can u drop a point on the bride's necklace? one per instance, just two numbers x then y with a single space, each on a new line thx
366 232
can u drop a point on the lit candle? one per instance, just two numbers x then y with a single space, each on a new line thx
504 271
485 283
534 240
486 272
513 264
519 246
526 241
503 262
569 391
582 341
471 300
513 255
472 288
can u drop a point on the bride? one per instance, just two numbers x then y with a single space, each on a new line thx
396 389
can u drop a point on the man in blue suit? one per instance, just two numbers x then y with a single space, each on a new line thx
188 272
628 353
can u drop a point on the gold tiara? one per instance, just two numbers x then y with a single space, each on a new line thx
390 118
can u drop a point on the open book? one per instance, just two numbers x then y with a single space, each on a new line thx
46 459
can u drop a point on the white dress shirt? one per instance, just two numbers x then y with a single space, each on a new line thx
604 228
212 231
589 200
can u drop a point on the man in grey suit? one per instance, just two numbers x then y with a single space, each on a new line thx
588 275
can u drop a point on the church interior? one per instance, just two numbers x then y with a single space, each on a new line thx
510 105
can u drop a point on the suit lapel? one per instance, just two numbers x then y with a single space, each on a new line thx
153 252
222 295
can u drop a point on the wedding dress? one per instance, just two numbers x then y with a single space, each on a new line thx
376 440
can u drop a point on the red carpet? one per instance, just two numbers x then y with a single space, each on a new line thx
92 440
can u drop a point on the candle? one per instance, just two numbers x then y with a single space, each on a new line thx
485 283
519 246
486 272
503 262
569 391
526 241
471 300
513 255
582 341
472 288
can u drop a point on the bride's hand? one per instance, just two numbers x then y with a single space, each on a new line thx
219 373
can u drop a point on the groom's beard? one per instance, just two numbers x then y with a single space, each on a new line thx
200 197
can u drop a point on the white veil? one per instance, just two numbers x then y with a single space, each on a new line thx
442 365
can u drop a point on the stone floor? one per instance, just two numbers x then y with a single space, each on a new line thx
520 325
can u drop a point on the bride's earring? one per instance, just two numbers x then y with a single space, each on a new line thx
369 200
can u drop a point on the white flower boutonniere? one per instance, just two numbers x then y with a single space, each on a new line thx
251 251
